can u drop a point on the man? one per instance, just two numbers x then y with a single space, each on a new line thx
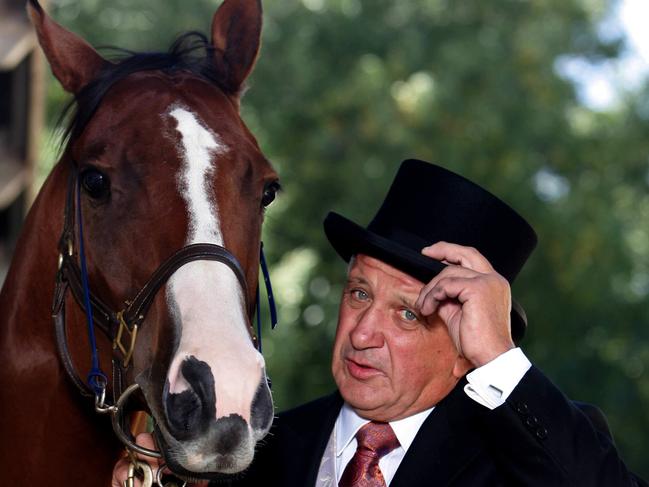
403 349
431 387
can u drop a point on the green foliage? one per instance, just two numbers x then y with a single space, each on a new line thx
346 89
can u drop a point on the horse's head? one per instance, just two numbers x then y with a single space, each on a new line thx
164 161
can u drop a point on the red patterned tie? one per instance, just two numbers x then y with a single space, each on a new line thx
374 441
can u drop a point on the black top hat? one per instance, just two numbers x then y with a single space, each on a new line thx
427 204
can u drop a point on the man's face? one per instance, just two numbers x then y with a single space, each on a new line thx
388 361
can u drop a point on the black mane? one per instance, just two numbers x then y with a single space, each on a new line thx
190 52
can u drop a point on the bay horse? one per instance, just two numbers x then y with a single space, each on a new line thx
151 222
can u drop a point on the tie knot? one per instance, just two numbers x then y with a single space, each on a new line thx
378 438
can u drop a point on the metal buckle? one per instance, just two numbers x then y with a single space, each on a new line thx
117 343
70 252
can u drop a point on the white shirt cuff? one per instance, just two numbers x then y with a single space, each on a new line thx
491 384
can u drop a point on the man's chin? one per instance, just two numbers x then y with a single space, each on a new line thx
363 399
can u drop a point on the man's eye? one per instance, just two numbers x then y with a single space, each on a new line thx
359 294
408 315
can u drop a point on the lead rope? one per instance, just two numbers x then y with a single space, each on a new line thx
271 298
96 378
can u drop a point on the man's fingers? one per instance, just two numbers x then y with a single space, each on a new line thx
120 473
146 440
459 255
451 287
427 304
450 271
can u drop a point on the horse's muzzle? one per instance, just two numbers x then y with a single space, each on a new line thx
202 441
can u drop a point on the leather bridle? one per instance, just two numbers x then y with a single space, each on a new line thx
121 327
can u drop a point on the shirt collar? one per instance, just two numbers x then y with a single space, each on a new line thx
348 424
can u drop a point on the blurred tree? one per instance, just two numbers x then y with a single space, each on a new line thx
346 89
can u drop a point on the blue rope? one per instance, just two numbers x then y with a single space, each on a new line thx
96 378
271 299
258 321
269 288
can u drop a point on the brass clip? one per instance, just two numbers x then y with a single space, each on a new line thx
117 343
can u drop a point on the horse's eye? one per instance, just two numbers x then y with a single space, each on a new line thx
95 183
269 194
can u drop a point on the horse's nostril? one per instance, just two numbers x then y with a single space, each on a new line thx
199 376
190 411
262 407
183 413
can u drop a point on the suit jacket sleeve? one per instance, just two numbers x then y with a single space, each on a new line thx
539 437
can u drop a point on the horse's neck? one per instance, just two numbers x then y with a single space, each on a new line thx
29 284
43 417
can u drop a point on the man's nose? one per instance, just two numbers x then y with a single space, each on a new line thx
368 331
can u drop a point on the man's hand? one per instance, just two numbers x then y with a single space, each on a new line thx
120 472
472 299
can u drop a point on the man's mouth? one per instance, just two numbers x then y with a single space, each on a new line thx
361 371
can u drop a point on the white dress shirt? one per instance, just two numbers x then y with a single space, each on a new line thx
348 424
489 385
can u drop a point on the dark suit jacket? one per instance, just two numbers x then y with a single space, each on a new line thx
537 438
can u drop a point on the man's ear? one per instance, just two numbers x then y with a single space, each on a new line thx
73 61
461 367
236 36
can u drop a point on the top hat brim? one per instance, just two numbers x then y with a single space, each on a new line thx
349 238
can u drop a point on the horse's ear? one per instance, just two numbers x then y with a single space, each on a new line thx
73 61
236 32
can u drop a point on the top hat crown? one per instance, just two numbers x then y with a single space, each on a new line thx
428 204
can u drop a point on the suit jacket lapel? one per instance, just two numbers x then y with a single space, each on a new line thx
308 435
445 444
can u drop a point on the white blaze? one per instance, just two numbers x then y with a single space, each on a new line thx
206 296
198 147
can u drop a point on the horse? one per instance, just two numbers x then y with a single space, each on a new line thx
148 230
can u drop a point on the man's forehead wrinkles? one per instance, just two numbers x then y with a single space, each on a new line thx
357 279
408 301
385 269
401 291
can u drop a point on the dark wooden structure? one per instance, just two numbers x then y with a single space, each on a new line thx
21 115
